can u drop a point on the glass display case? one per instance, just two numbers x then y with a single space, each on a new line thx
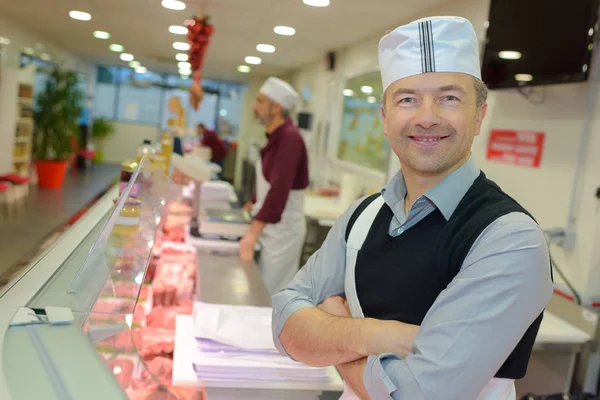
83 333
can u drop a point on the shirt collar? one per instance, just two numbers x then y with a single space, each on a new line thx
445 196
278 130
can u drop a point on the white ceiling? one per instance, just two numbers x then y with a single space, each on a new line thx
142 27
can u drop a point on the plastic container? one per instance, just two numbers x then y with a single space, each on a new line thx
145 150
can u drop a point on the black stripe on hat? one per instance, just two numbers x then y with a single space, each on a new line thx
422 45
431 50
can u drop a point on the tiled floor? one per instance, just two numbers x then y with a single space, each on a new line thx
31 226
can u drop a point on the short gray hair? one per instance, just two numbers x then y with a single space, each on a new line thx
285 114
481 92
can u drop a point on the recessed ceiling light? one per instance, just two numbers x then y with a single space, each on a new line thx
101 35
117 48
126 57
253 60
366 89
178 29
46 57
4 40
181 46
371 99
181 57
316 3
265 48
284 30
244 69
80 15
509 55
348 92
184 65
135 64
591 32
141 70
173 5
584 68
28 50
524 77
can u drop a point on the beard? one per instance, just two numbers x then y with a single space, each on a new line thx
264 120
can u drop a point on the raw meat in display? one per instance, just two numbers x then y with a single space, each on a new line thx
127 289
164 317
173 393
155 342
160 369
177 207
122 370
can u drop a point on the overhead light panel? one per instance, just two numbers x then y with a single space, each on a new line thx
265 48
117 48
509 55
101 35
371 99
80 15
182 57
141 70
184 65
253 60
243 69
28 50
316 3
135 64
348 92
524 77
284 30
173 5
178 30
126 57
366 89
182 46
46 57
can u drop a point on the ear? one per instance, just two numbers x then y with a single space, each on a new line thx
479 116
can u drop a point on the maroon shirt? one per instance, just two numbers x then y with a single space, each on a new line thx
285 167
217 147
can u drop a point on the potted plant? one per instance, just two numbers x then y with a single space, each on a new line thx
101 129
56 121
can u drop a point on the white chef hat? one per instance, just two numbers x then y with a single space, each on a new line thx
433 44
280 92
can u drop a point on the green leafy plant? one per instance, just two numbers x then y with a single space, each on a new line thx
102 128
56 116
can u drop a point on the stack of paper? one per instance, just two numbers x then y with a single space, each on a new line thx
216 194
235 343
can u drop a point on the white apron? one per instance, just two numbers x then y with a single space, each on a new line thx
496 389
281 242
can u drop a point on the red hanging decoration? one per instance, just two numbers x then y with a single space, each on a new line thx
199 33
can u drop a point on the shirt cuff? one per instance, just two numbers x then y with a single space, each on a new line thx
282 313
377 378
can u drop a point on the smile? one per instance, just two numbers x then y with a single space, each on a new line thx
427 140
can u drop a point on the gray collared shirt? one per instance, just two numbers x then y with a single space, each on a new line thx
474 324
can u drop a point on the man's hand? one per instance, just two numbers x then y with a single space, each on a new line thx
337 306
247 245
352 373
248 206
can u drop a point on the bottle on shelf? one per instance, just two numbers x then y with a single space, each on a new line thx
145 150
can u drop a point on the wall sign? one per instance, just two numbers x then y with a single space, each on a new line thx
516 147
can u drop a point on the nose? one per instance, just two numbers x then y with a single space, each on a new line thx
427 114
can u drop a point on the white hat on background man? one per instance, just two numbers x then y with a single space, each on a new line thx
433 44
280 92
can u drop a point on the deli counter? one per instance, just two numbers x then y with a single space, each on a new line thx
95 316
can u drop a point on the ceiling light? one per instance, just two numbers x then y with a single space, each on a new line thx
141 70
28 50
591 32
366 89
135 64
348 92
265 48
181 46
244 69
181 57
316 3
509 55
185 71
46 57
178 29
4 40
173 5
116 48
524 77
253 60
101 35
584 68
371 99
284 30
126 57
80 15
184 65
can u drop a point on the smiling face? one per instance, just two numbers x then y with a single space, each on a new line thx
431 120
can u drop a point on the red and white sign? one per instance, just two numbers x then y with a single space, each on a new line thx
516 147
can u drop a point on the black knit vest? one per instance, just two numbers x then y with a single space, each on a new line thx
399 278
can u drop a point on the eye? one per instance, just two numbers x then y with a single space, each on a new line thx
451 98
407 100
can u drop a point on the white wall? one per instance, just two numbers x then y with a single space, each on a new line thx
545 192
123 144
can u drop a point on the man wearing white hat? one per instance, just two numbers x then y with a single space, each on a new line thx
445 277
281 177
